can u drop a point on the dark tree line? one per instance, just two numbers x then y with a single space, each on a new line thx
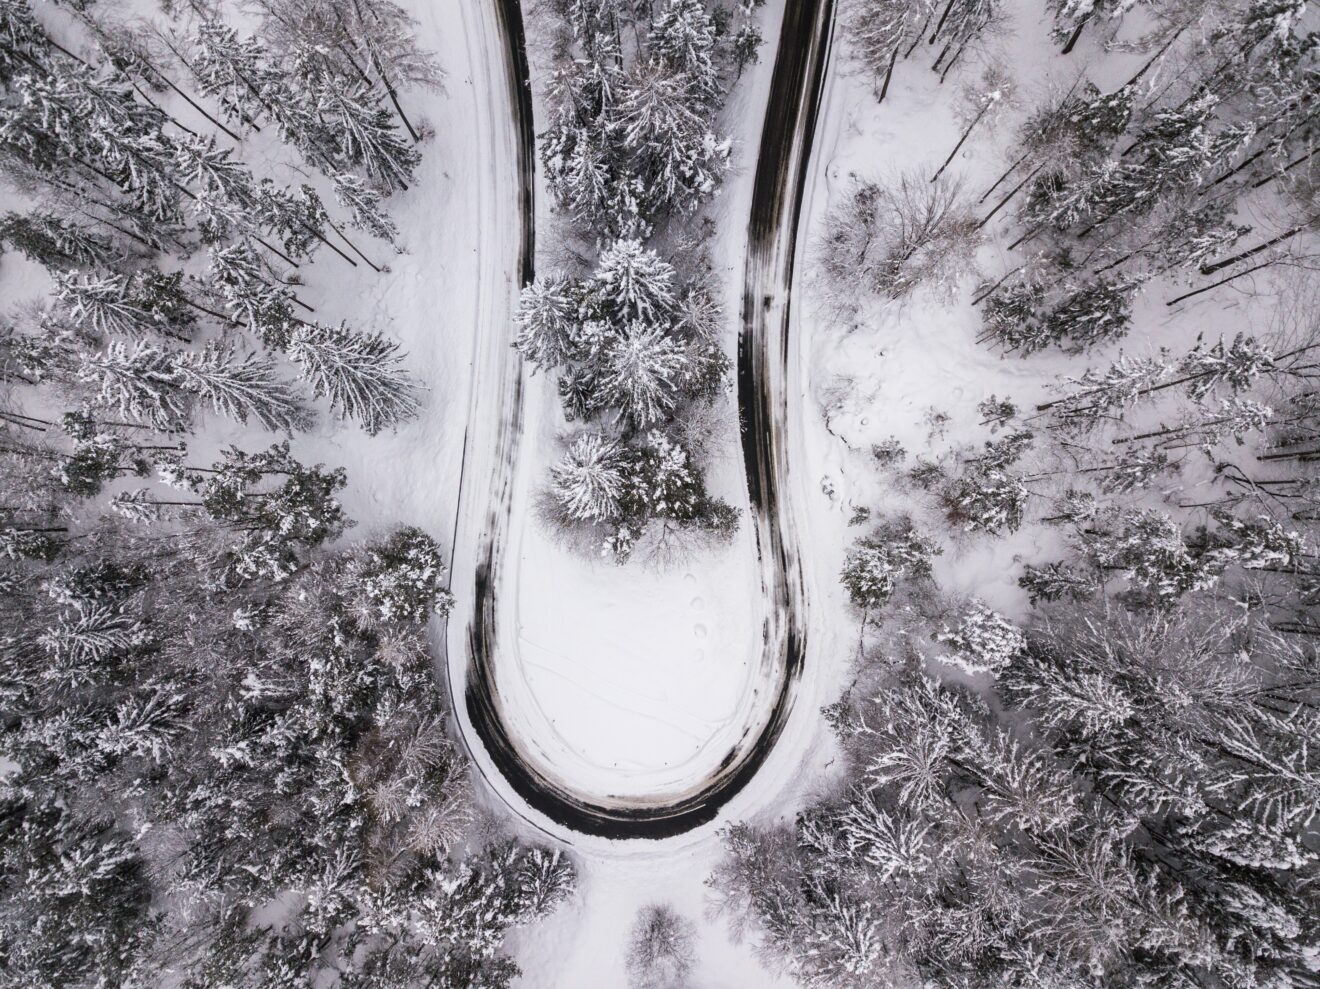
231 763
1135 808
226 758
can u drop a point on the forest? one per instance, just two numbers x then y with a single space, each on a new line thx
493 494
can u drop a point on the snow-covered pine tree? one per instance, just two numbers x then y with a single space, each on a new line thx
987 496
352 129
631 135
547 321
363 41
251 294
137 382
241 386
56 242
401 579
876 564
117 305
278 519
363 204
983 641
361 374
639 374
589 482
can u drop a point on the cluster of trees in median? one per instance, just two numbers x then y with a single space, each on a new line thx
631 153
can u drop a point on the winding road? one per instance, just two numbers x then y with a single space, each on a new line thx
491 465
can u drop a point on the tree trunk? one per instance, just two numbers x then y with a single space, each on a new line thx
1072 39
940 26
1210 269
1004 202
952 62
1153 59
1222 281
1029 235
354 248
889 72
1000 181
1287 168
961 141
991 290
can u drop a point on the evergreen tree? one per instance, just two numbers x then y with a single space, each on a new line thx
148 301
402 578
276 522
876 564
56 242
251 295
361 374
589 481
241 387
982 642
988 497
137 382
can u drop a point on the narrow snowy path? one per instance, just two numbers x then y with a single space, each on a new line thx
478 636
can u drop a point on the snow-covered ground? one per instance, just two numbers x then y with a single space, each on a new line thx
635 683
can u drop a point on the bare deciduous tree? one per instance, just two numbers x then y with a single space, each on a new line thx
896 237
660 952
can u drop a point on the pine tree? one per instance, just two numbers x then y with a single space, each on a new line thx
250 294
683 39
138 382
363 203
633 281
276 522
361 374
876 564
402 578
23 40
639 374
547 322
360 134
589 481
988 497
148 301
56 242
235 71
241 387
983 640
